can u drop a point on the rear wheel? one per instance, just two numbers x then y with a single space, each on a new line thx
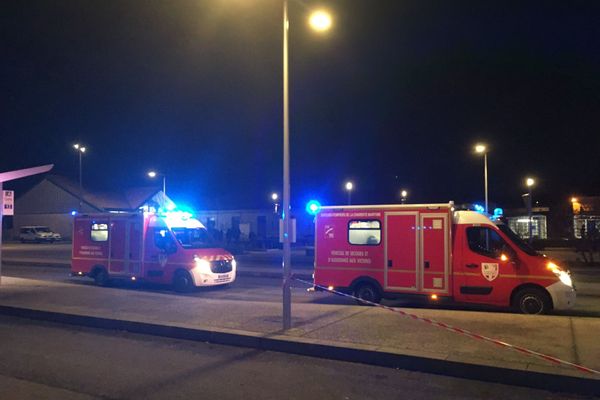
367 291
182 282
532 301
101 277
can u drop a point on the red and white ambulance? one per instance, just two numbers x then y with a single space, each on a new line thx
171 248
434 252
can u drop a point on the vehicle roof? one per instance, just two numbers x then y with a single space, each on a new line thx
471 217
34 226
382 206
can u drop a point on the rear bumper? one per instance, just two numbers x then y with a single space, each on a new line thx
563 296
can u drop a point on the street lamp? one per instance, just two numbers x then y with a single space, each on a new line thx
403 195
482 149
285 217
154 174
275 197
529 182
80 149
349 186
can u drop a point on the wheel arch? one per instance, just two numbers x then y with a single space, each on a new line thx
97 268
523 286
366 279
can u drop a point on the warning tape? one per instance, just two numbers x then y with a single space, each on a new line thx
461 331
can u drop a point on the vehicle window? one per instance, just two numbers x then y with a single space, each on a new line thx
42 229
364 232
164 241
193 238
99 232
517 240
487 241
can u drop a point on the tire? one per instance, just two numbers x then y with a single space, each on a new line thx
367 291
532 301
101 277
182 282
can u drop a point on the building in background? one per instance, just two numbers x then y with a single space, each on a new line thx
518 221
53 201
586 216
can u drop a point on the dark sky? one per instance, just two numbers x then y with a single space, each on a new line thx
393 97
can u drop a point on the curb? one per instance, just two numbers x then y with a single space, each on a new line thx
63 265
536 380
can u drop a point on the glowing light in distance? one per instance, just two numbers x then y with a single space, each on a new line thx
529 182
478 208
349 186
574 200
313 207
152 174
79 147
403 193
320 21
274 196
480 148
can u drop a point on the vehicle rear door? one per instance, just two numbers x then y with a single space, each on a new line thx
401 249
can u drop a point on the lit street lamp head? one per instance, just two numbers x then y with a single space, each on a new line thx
320 21
530 182
480 148
274 196
403 194
152 174
349 186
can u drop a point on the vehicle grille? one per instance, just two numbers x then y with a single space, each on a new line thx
220 267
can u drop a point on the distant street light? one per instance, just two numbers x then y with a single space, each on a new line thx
482 149
154 174
275 197
80 149
529 182
321 23
403 196
349 187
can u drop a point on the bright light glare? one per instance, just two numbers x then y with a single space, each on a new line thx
434 297
320 21
503 257
76 146
529 182
574 200
349 185
274 196
152 174
82 149
404 193
480 148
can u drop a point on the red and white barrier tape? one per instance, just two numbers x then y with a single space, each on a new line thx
464 332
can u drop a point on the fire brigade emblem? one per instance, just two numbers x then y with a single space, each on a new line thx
489 271
162 260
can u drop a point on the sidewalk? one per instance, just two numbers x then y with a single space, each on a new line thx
353 333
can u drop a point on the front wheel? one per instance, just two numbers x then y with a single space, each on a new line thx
182 282
367 291
532 301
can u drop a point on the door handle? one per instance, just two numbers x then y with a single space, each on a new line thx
471 265
390 263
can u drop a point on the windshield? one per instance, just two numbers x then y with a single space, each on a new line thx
42 229
517 240
193 238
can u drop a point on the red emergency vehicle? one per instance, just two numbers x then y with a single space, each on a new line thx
434 252
171 248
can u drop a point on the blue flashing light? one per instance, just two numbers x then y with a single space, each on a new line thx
479 208
171 206
74 212
498 212
313 207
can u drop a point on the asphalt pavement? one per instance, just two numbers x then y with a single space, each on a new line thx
85 363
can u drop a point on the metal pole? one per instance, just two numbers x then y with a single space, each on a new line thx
530 216
349 197
485 175
164 185
286 262
80 179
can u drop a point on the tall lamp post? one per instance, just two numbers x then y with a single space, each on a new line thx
319 21
529 182
80 149
482 149
349 187
154 174
275 197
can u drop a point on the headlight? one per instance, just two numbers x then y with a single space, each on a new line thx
233 264
202 265
560 274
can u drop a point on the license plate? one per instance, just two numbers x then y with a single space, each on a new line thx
223 276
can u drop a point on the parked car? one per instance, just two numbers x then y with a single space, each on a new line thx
38 234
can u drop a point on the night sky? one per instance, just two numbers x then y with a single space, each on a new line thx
395 96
